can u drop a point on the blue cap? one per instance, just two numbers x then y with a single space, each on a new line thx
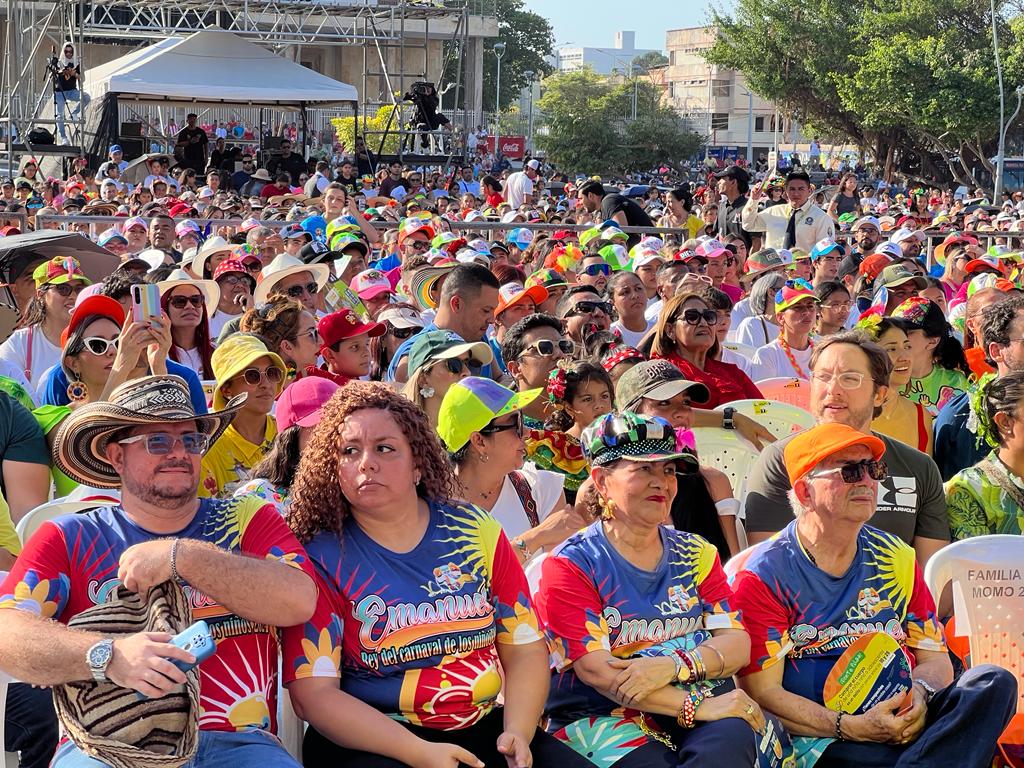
108 235
316 227
115 148
293 231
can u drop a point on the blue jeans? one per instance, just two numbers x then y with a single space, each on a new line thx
964 722
66 101
217 749
30 725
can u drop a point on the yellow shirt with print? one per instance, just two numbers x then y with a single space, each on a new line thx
228 462
8 535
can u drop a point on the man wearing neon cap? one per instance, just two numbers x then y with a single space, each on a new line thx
830 579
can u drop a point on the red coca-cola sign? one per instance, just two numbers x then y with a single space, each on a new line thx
512 147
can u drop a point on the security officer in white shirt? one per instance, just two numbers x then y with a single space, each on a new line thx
800 224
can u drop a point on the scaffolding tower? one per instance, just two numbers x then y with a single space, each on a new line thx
395 37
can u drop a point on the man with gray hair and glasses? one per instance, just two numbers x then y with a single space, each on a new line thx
849 381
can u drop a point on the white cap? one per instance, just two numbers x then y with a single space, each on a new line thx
533 164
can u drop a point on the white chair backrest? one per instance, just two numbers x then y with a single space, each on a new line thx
781 419
738 562
728 453
786 389
741 349
532 571
31 522
987 577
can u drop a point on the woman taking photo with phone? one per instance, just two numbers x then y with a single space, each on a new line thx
189 303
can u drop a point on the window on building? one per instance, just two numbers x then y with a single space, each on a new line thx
721 88
759 124
720 121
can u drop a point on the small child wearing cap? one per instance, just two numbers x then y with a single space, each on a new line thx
345 345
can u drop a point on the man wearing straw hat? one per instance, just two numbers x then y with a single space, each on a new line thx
240 569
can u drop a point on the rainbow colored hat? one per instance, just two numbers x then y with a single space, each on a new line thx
471 404
793 292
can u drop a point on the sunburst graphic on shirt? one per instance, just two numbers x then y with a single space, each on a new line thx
894 580
454 694
472 536
228 519
242 697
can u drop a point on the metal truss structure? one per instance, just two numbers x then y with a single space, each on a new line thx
395 37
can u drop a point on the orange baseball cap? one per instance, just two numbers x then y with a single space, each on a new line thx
812 446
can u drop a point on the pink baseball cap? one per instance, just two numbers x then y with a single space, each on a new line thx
134 221
371 283
302 402
711 249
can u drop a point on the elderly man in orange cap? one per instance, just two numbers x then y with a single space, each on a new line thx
826 581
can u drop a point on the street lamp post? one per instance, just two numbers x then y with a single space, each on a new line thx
499 51
529 119
750 128
1002 147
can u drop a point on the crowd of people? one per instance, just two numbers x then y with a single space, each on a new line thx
424 442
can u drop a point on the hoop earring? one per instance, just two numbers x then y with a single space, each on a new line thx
77 391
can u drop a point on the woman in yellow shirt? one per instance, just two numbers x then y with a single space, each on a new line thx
242 365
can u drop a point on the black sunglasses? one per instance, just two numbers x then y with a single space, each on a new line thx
694 316
456 364
404 333
297 290
587 307
852 471
65 289
493 428
180 302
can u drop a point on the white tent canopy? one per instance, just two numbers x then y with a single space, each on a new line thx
210 67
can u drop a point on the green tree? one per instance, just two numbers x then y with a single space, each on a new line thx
649 60
529 40
587 124
914 82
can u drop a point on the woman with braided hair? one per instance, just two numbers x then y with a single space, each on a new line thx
988 498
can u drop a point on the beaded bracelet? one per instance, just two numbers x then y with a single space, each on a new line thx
691 666
839 727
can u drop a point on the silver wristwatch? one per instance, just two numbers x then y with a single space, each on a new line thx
929 690
98 658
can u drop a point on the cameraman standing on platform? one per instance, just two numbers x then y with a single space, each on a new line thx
65 72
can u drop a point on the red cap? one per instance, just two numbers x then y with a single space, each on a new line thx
302 402
231 265
10 230
94 305
346 324
873 265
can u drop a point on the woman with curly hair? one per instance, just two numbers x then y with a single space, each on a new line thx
421 599
288 330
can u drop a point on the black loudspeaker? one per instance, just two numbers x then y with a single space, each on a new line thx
132 147
272 143
129 130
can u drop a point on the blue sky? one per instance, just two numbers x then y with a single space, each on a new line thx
595 22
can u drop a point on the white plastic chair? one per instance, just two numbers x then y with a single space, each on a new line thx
988 598
786 389
82 499
741 349
780 418
532 572
738 562
729 453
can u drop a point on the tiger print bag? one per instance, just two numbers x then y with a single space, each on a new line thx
116 725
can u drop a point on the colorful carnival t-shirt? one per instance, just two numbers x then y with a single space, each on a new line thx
937 388
797 614
414 634
71 564
978 505
591 598
558 452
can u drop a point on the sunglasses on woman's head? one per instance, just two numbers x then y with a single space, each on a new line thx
65 289
98 345
180 302
694 316
253 376
297 290
593 270
456 364
852 471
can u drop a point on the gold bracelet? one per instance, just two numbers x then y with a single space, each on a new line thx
721 659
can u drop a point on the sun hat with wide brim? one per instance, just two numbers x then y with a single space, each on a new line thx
212 245
423 281
80 444
629 436
471 404
179 278
284 266
234 355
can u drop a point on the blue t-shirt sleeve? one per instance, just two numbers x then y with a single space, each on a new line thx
195 386
56 387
